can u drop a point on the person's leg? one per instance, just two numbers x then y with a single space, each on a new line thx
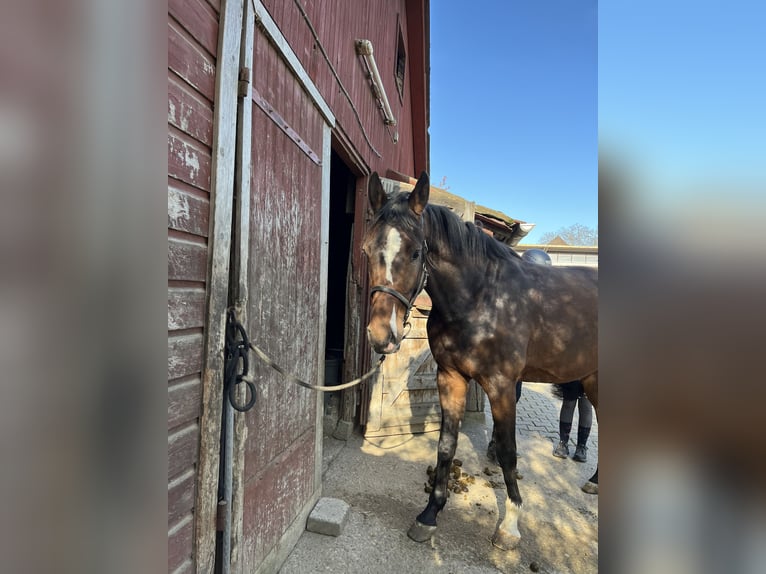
565 428
583 429
518 391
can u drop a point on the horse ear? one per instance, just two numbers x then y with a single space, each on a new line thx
419 195
376 192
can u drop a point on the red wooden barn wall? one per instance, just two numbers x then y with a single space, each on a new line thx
338 23
285 260
192 47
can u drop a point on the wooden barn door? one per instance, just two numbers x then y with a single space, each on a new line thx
280 292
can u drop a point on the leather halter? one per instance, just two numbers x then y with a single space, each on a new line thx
422 281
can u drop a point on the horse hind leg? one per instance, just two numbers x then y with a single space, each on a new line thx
590 384
503 406
452 395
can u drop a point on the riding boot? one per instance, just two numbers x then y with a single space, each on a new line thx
581 452
562 449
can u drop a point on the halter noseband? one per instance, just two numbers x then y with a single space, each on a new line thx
402 299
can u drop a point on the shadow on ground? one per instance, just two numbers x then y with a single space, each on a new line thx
382 479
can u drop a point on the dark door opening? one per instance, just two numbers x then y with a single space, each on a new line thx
342 186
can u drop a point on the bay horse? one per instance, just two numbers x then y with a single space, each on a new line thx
495 319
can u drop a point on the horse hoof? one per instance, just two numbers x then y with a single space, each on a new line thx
505 541
590 488
421 532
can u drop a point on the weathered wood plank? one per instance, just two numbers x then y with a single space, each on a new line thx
188 161
186 567
199 20
239 273
187 59
187 212
180 543
186 308
222 189
186 261
181 492
183 446
407 399
184 355
275 35
184 401
188 112
274 497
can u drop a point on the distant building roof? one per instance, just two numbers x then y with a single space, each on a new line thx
557 241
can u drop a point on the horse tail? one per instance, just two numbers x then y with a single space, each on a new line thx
568 391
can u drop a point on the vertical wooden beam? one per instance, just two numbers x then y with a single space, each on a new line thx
241 251
359 278
219 247
323 266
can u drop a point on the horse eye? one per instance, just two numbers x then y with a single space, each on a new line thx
415 254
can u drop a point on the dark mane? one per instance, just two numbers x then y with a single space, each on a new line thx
448 231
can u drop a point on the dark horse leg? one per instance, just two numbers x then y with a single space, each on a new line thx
590 385
503 404
452 393
491 447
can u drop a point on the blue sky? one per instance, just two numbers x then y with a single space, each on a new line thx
514 109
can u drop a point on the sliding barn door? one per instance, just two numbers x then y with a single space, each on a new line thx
281 267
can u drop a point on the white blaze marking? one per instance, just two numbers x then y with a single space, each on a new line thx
393 321
393 244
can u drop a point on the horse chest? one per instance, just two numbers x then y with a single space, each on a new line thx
460 340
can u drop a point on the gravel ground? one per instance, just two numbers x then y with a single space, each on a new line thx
382 479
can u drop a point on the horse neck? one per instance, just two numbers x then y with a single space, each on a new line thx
454 278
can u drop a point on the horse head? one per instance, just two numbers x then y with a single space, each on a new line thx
395 248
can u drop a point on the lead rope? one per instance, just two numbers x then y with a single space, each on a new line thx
293 379
238 348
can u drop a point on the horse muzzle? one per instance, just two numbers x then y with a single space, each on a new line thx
383 341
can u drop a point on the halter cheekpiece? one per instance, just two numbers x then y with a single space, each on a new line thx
402 299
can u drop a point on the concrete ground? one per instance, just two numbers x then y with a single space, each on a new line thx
382 480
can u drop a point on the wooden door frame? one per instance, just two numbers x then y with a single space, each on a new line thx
219 247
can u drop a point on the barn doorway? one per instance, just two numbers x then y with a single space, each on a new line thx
342 194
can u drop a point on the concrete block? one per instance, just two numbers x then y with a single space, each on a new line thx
343 430
328 516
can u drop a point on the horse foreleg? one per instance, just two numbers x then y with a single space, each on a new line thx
503 406
452 393
590 385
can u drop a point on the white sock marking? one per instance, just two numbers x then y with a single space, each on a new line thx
510 523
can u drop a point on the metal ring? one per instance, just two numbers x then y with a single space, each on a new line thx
233 397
